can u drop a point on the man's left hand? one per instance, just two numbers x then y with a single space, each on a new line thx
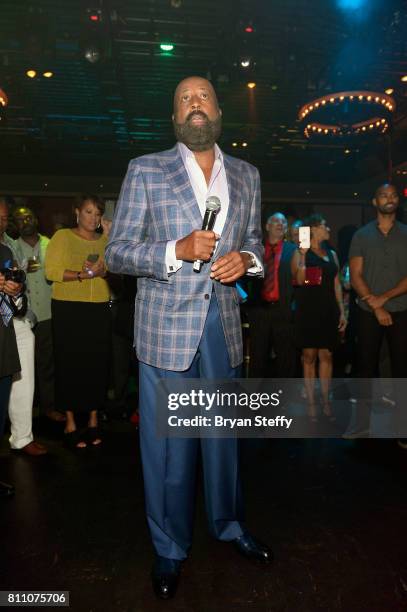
230 267
375 301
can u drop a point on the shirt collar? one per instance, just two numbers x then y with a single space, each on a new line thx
24 243
188 154
394 227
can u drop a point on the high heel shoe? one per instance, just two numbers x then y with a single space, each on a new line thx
93 436
327 412
312 413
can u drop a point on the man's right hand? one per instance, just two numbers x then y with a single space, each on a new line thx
383 317
199 244
10 287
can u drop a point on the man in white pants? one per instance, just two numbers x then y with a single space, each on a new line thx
22 390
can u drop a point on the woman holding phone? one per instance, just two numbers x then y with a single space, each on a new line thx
319 314
80 319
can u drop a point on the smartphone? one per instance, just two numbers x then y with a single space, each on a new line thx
305 237
93 257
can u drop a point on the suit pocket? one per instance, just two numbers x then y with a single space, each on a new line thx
156 297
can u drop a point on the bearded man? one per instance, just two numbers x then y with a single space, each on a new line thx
378 270
187 324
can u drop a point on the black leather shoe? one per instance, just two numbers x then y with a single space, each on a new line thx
6 490
253 549
164 577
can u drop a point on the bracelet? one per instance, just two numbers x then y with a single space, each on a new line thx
78 274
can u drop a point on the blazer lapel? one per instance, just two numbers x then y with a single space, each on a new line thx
177 177
235 187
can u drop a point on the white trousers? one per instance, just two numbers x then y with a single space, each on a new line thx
20 408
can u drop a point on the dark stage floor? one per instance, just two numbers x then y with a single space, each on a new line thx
334 511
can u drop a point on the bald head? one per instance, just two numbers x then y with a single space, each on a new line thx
276 227
386 199
384 188
191 83
26 221
197 118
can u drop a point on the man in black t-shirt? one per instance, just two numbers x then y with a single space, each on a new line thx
378 266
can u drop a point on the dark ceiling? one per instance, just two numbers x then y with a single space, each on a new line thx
90 119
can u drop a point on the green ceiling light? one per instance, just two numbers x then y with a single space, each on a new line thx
166 47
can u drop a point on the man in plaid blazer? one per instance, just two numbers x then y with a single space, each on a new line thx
187 324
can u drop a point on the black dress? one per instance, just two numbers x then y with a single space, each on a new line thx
317 312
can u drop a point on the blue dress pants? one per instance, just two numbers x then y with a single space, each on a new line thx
169 464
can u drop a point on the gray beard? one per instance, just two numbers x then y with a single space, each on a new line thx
198 138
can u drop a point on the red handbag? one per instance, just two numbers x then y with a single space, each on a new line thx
313 276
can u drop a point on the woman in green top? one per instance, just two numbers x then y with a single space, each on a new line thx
80 319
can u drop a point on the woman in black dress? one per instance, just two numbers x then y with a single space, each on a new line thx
319 314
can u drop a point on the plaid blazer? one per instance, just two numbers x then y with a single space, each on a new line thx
157 204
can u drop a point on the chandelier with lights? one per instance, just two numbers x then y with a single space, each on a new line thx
347 113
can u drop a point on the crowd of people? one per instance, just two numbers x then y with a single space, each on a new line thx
59 320
300 312
298 315
66 332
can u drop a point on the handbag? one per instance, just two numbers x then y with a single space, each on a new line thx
313 276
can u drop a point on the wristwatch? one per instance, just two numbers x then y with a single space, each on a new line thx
253 261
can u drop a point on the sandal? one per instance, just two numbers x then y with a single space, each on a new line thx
327 412
72 439
93 436
312 413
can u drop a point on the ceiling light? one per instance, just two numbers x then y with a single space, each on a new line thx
31 74
245 63
92 54
48 74
404 78
3 98
234 144
166 47
94 15
347 151
244 144
389 91
251 85
345 128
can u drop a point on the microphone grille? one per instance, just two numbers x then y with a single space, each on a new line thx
213 204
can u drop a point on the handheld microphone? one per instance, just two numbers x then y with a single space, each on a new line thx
212 205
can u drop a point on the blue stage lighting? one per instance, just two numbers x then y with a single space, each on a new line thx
351 5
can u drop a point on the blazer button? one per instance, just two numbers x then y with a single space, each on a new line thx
206 296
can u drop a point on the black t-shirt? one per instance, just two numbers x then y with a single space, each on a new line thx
384 261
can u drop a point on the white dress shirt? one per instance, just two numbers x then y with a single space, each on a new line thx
217 186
